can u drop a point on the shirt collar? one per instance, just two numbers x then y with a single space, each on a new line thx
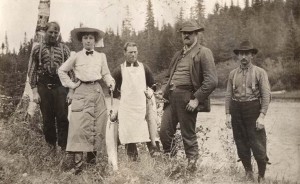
186 48
56 44
250 65
135 64
84 50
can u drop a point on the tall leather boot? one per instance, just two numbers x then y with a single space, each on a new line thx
248 168
91 157
261 170
68 161
192 164
78 164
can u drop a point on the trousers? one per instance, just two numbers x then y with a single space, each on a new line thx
54 110
247 138
175 113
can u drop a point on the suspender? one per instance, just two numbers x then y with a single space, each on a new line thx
40 54
234 79
252 78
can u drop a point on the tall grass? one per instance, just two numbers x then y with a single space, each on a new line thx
26 158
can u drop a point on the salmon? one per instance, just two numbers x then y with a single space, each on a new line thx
112 144
111 138
151 115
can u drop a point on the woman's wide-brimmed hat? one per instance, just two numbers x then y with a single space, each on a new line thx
245 46
77 33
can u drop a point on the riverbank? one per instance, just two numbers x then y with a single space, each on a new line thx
276 95
24 158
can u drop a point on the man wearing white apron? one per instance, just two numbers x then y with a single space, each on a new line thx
132 78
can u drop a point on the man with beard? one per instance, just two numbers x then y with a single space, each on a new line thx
47 89
192 79
247 101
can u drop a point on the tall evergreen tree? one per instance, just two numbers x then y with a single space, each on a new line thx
176 41
198 12
296 11
127 25
166 47
257 5
180 17
217 8
150 23
246 3
292 43
6 43
2 47
148 47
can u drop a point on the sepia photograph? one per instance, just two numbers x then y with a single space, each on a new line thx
149 91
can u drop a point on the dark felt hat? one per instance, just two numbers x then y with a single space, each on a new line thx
245 46
77 33
190 26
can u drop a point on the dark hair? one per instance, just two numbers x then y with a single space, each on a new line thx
81 34
129 44
50 23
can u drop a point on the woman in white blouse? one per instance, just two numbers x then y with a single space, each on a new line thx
89 115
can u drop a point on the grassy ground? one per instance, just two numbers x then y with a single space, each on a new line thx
25 158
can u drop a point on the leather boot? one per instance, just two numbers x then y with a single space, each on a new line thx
132 151
247 164
192 165
248 168
68 161
78 164
91 157
249 176
261 170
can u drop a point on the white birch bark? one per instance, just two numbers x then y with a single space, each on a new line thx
43 17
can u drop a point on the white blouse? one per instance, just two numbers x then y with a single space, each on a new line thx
90 67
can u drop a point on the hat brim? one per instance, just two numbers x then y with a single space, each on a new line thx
253 51
187 29
76 33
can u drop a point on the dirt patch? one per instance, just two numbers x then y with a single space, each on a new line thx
283 144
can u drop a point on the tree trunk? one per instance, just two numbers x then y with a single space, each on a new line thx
26 106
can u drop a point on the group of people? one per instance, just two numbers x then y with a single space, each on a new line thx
58 80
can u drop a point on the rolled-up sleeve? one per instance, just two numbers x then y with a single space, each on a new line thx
210 78
64 69
107 78
265 91
228 95
150 82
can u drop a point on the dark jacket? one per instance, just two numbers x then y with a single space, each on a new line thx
203 74
117 75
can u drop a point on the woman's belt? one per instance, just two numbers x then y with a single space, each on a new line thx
91 82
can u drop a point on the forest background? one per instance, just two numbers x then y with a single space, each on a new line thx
273 26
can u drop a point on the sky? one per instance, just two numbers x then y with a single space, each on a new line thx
20 16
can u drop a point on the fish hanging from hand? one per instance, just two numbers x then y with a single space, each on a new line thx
151 116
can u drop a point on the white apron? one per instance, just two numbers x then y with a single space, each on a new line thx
133 127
